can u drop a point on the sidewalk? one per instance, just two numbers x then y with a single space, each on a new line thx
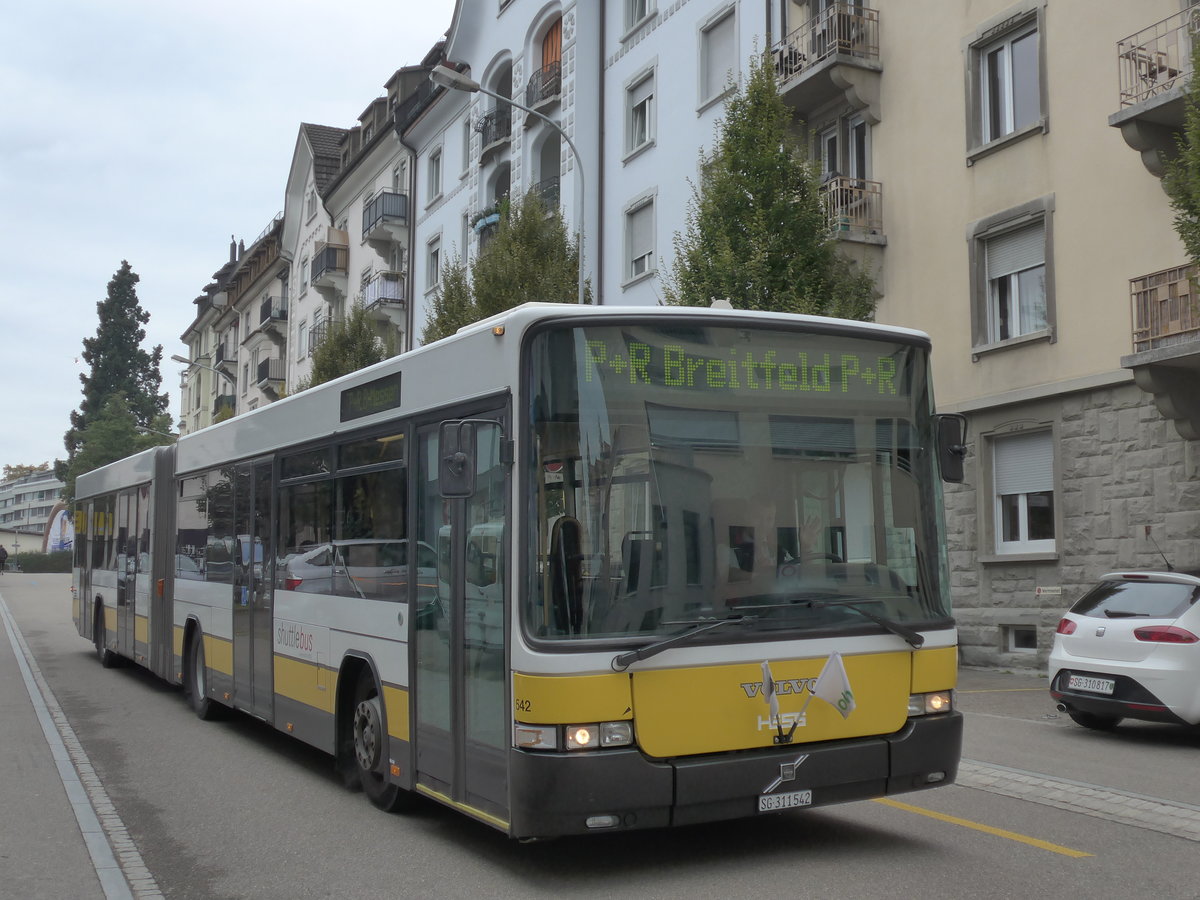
43 851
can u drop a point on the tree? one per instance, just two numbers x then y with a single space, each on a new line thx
349 345
119 367
1182 178
112 434
530 258
756 230
12 473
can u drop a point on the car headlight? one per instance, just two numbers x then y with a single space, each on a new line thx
931 703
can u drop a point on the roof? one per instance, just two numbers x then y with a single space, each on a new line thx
326 144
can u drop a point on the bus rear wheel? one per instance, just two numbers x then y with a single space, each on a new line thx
195 679
368 740
107 658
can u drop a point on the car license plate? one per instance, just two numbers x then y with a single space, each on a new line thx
1094 685
790 800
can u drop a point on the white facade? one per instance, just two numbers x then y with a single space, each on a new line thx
27 502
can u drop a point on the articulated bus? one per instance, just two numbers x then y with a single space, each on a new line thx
572 570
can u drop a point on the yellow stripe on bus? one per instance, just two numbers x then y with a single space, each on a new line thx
316 686
218 654
141 629
935 669
568 699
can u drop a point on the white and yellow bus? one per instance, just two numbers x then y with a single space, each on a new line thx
571 570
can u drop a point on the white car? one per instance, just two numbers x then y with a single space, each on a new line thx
370 569
1130 649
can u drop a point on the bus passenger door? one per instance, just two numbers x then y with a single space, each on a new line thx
463 723
127 531
253 563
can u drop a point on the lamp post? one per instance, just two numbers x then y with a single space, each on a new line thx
142 429
199 365
456 81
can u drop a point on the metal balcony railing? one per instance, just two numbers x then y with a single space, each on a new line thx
548 190
271 370
387 205
384 287
1157 58
1165 308
224 402
272 309
496 126
843 29
316 335
330 258
544 84
854 205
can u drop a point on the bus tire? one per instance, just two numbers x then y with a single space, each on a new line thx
195 679
368 739
107 658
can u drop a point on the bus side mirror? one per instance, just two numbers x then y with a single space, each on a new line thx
456 467
951 451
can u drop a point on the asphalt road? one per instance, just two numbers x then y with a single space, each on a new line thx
232 809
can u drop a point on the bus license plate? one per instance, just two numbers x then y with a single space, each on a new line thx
790 800
1095 685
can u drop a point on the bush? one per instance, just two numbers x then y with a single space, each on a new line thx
57 562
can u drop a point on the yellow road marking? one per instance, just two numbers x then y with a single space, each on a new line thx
986 829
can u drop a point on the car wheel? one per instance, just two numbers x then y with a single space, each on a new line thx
1093 721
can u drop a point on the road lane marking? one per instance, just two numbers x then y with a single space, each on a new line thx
1124 807
986 829
122 873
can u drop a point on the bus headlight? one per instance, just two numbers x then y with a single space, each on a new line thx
931 703
535 737
591 736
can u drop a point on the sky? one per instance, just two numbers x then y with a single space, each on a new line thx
153 132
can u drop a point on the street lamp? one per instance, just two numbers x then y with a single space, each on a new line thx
142 429
191 362
446 77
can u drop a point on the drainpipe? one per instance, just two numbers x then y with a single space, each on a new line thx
411 284
598 286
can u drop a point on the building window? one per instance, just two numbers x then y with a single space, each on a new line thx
433 270
435 174
1012 276
467 130
718 55
1023 475
310 204
301 340
1016 282
303 275
639 112
637 12
1006 76
639 239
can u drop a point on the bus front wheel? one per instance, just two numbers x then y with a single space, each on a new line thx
369 739
196 679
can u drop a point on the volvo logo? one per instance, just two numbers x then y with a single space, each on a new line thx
784 686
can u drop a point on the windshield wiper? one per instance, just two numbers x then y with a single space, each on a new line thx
1125 614
913 637
623 661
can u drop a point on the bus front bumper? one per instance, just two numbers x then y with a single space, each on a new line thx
620 790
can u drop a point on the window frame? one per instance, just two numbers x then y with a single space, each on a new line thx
433 175
433 262
1023 545
999 32
634 87
979 234
636 14
720 91
643 201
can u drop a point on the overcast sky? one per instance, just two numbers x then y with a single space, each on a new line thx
152 132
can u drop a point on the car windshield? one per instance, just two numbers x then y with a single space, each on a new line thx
1149 599
681 473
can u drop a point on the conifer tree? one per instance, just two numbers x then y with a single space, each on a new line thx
118 366
349 345
756 231
453 303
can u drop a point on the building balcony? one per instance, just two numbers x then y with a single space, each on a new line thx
548 190
385 220
832 56
1155 67
1166 344
855 208
224 402
225 360
317 334
271 375
272 317
329 266
495 129
545 85
384 297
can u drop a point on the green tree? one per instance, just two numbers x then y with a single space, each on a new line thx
530 258
1182 177
112 434
119 367
349 345
756 231
453 303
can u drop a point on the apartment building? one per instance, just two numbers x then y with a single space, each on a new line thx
27 504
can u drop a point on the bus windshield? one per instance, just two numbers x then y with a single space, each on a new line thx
688 473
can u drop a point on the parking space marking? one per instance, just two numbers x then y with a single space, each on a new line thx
1152 813
986 829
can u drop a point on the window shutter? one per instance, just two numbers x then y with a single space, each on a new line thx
641 91
641 239
1023 463
1016 251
